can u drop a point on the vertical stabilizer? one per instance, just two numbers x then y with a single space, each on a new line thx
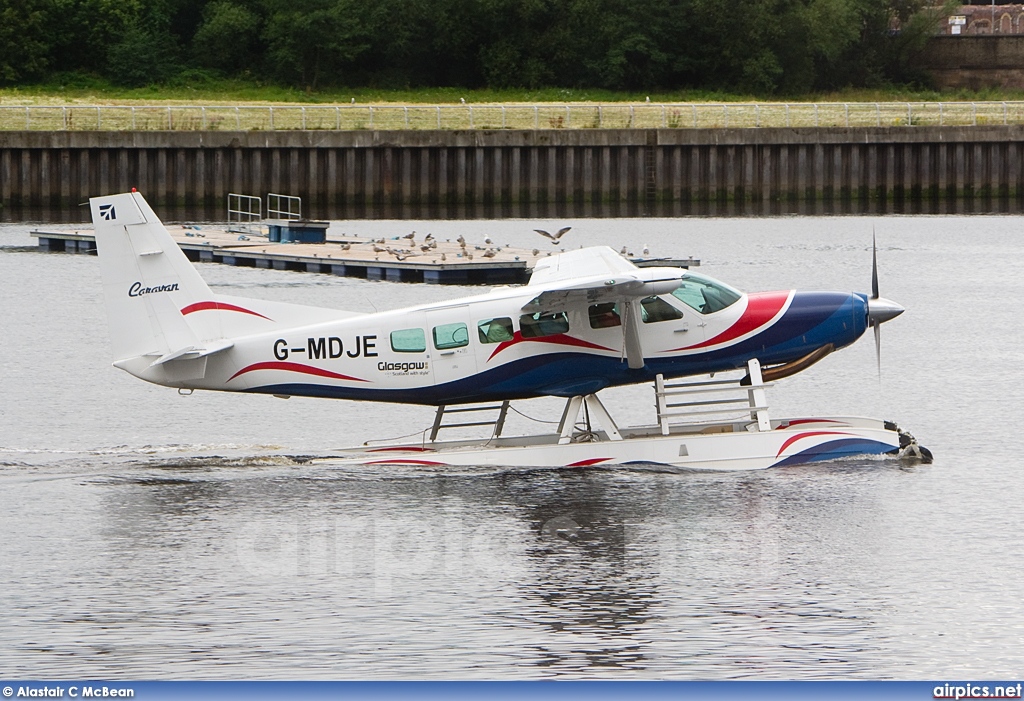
147 280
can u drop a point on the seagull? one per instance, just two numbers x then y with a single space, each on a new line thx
462 100
646 250
443 257
461 240
554 237
410 236
536 251
428 237
353 101
378 249
622 251
489 253
425 248
487 240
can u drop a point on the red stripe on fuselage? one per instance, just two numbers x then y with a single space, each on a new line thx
761 308
807 434
558 339
294 367
587 463
204 306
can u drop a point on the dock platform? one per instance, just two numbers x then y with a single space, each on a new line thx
395 259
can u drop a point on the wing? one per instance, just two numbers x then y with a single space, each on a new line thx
561 231
544 233
589 276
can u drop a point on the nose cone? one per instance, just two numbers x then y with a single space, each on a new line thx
881 310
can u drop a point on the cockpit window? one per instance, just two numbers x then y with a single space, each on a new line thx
704 294
655 309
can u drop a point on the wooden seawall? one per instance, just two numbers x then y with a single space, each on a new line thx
581 172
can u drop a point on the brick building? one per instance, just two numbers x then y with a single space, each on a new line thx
985 19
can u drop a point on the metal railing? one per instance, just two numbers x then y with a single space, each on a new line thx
283 206
513 116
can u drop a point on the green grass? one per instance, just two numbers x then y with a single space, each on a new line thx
199 88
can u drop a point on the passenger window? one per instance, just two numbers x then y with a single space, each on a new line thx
451 336
605 315
495 330
541 324
408 341
655 309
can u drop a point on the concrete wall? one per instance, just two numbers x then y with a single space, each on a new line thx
501 173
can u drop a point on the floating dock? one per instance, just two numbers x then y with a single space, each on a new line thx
400 259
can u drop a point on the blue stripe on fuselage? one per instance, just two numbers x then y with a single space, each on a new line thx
813 319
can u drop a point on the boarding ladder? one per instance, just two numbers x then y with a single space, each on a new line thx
443 410
693 402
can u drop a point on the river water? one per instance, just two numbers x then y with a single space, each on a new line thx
150 535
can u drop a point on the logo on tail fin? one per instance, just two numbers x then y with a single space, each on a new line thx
107 212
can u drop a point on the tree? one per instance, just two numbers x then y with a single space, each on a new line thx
24 47
229 37
313 41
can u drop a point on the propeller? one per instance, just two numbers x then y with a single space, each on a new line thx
880 310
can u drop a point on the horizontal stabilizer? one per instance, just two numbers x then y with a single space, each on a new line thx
193 352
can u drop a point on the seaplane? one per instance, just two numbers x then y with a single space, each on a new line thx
588 319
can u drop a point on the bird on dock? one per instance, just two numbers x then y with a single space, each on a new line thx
425 248
490 253
461 240
378 249
428 237
443 258
554 237
346 246
646 250
410 236
622 251
487 240
536 251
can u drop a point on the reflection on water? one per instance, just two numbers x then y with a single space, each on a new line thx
587 573
534 210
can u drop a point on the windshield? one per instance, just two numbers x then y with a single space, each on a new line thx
705 294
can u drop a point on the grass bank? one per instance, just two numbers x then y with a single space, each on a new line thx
203 90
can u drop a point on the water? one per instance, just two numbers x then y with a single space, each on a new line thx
148 535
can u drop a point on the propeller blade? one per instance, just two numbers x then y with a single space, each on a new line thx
878 348
874 266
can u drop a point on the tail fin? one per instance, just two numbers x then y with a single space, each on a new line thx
147 281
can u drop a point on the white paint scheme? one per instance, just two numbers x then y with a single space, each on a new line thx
169 328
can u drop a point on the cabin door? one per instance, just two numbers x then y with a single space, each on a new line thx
450 345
